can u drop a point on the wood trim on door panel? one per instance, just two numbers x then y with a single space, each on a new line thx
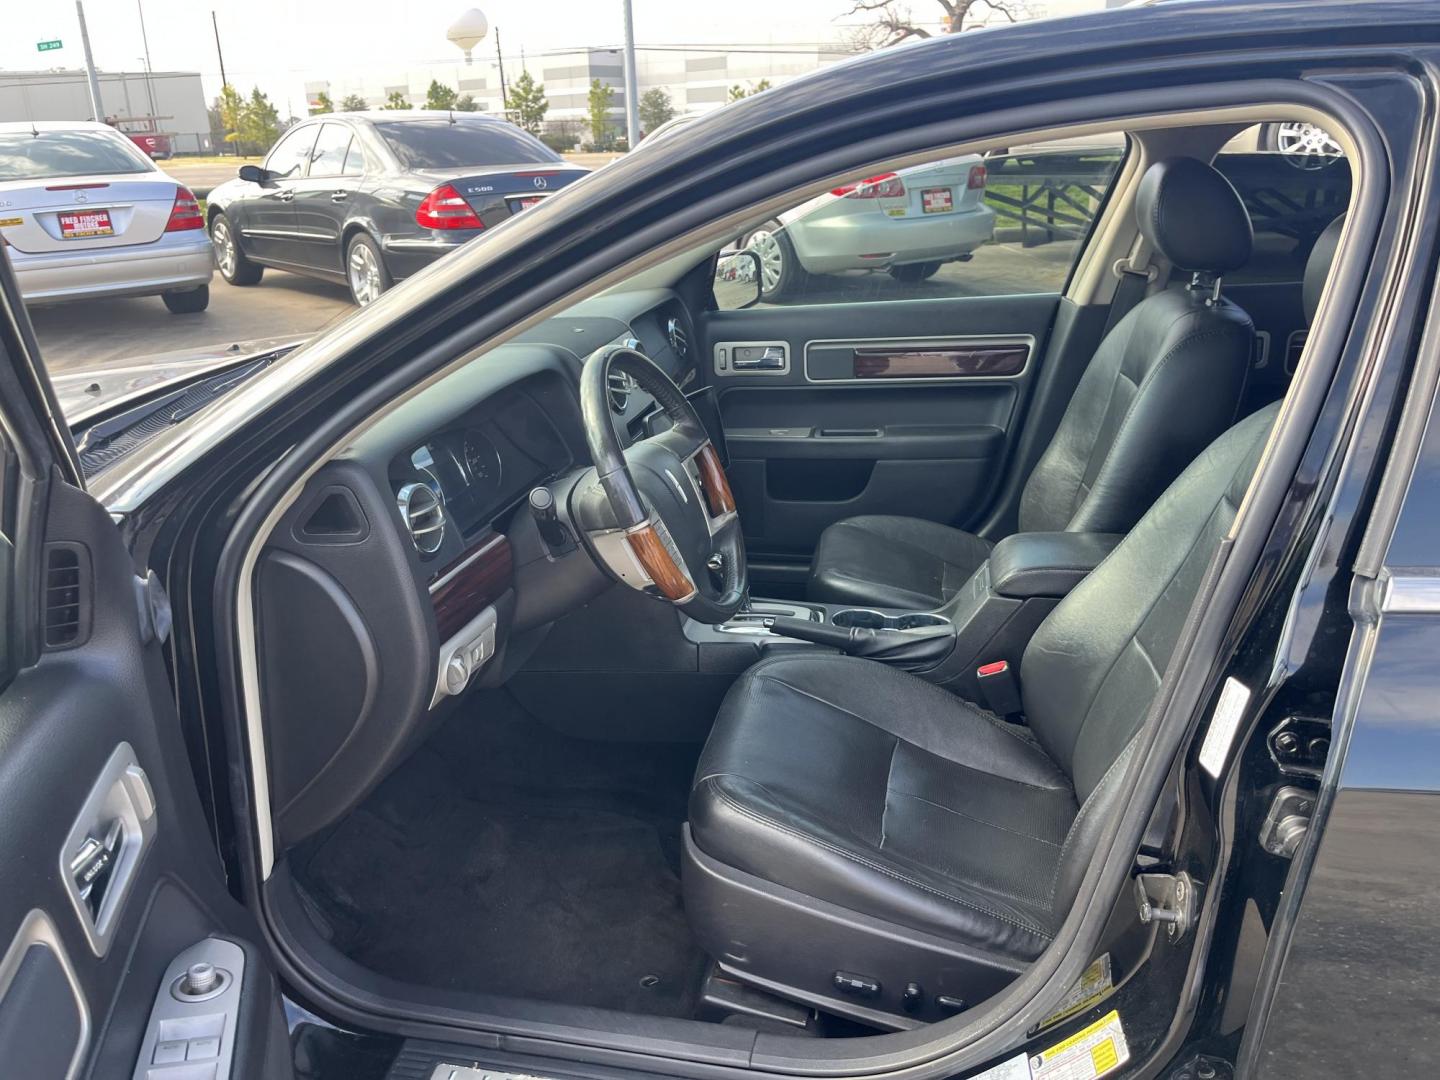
944 362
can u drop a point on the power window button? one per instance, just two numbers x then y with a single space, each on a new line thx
203 1049
168 1052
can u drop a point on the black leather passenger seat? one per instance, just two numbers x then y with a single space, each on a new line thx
1163 383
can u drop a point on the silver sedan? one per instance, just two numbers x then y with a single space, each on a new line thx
83 214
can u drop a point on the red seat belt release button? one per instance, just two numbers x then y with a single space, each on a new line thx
999 687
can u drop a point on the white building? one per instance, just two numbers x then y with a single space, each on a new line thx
695 80
174 99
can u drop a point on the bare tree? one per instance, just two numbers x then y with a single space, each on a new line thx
890 23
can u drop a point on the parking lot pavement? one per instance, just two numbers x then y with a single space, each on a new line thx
92 335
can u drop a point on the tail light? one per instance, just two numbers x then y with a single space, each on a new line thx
185 214
885 186
446 208
978 175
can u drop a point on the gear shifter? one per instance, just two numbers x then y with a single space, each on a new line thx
916 649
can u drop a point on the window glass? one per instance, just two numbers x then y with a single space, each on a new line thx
330 152
1013 221
1294 181
287 160
441 144
354 159
49 155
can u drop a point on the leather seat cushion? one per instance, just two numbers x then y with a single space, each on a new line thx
862 785
896 562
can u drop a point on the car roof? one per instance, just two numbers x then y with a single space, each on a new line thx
26 126
409 115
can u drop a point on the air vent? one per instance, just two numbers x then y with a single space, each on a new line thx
424 516
619 385
67 596
678 341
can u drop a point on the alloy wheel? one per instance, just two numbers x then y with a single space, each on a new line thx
765 244
224 249
364 274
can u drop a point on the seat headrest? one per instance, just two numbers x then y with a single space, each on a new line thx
1193 217
1317 267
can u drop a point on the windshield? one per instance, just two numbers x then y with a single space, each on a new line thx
439 144
49 155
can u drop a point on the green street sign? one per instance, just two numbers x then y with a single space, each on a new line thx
48 46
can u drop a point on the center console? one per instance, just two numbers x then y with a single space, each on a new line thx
986 625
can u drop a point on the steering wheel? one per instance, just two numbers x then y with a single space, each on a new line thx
659 514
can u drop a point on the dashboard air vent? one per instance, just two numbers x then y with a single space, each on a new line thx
678 341
424 516
67 596
619 385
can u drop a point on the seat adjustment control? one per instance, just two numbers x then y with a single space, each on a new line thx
847 982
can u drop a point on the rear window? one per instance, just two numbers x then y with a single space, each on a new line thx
439 144
50 155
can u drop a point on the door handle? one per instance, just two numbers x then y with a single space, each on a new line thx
339 196
285 196
93 866
772 358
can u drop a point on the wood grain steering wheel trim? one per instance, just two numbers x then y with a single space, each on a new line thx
714 482
656 559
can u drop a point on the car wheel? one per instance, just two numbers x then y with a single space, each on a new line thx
780 271
913 273
1304 145
365 270
234 267
187 301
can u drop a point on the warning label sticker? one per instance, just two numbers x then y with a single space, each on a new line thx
1095 982
1087 1055
1090 1053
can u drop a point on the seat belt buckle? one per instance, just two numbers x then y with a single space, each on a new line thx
999 687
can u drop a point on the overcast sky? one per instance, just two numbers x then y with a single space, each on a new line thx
280 43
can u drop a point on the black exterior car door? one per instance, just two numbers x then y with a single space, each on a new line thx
112 887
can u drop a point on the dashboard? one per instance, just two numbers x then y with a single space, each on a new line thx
411 566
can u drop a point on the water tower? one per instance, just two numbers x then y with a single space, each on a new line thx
468 31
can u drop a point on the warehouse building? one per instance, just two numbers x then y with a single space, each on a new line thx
168 102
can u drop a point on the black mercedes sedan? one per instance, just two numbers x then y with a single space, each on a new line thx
370 198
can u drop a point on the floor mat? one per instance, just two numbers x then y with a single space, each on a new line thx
506 858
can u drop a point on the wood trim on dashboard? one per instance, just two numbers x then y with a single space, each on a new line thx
941 361
472 582
714 482
654 557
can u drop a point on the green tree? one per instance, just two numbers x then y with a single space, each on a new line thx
439 96
466 103
600 99
230 107
395 101
528 104
353 103
737 92
322 105
259 122
655 108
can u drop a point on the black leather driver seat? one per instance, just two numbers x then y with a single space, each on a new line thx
1162 384
848 817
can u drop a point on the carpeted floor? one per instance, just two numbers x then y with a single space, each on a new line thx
507 858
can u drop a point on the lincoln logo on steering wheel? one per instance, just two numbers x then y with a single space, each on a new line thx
678 489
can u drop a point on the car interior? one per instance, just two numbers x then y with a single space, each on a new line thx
689 662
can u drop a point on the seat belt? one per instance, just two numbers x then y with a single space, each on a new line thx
1128 293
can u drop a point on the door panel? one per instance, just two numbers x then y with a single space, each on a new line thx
875 408
110 868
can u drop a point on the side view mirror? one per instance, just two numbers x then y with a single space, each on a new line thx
253 174
737 279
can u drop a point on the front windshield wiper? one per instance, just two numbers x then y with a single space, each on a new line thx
106 442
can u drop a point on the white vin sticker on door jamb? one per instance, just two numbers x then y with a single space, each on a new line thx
1092 1052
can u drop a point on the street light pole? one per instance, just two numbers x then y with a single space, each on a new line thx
632 90
224 82
95 106
149 84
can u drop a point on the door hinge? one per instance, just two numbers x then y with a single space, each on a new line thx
1168 899
1287 822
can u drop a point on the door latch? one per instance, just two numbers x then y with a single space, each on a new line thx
1167 899
1287 822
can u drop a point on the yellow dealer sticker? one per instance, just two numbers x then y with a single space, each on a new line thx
5 221
1088 1054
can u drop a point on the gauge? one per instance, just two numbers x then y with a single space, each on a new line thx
482 460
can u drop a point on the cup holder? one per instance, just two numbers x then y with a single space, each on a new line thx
875 620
